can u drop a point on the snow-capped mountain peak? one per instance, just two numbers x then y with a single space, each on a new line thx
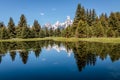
59 24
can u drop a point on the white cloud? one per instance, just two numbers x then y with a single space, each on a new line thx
42 14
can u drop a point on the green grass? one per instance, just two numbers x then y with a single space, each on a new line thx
101 40
19 39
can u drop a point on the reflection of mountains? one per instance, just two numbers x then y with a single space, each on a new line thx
59 49
85 53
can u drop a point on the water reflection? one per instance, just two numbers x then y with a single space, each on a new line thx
85 53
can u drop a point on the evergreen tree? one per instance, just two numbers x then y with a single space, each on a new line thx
1 29
23 21
81 31
4 33
89 31
93 16
46 32
63 33
32 33
36 28
57 32
67 32
114 22
21 25
99 30
51 32
110 33
80 15
89 17
42 33
11 28
1 24
104 23
25 33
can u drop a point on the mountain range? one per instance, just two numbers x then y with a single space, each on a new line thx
59 24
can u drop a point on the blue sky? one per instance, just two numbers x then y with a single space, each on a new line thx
50 11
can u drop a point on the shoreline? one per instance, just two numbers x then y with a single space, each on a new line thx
62 39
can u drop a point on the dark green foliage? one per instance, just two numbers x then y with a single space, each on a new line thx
42 33
11 28
104 23
114 22
36 28
46 32
110 33
51 32
80 15
87 24
13 55
25 33
1 24
4 33
22 22
67 32
90 17
81 31
57 32
20 27
18 32
99 31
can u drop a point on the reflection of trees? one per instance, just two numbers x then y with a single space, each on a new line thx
0 59
3 48
37 52
24 56
115 53
83 56
22 47
12 54
85 53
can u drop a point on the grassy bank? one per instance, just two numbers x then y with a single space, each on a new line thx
19 40
102 40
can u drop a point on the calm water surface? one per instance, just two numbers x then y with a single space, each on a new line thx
48 60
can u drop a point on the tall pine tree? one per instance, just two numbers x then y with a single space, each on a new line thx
11 28
36 28
21 25
80 15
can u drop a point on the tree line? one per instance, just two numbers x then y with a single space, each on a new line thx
86 24
22 30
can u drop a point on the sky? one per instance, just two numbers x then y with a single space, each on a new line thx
50 11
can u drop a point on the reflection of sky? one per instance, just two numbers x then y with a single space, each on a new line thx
51 65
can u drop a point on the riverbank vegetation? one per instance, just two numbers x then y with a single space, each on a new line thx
86 24
62 39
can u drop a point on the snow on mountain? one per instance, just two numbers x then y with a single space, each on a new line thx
60 25
48 25
59 49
